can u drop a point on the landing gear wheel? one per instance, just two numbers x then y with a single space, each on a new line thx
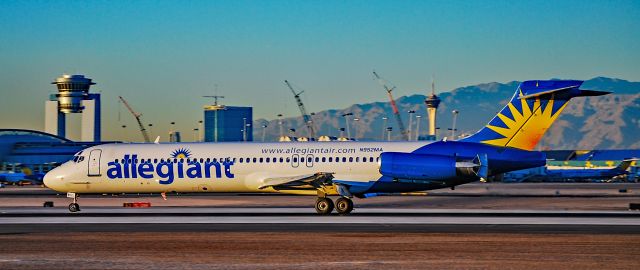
344 206
324 206
74 207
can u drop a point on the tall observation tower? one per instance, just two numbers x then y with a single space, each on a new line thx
73 97
432 102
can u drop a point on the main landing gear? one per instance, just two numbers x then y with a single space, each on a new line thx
325 205
74 206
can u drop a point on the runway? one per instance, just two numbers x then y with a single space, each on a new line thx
166 219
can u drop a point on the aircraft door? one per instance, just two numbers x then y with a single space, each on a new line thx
309 161
295 161
94 162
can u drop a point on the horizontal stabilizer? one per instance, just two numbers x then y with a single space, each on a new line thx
592 93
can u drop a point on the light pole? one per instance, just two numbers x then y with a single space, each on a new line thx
384 127
346 120
280 124
244 129
389 129
418 118
195 134
200 131
453 128
355 128
150 131
264 130
410 131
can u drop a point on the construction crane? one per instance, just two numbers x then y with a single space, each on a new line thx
137 116
215 99
305 117
396 112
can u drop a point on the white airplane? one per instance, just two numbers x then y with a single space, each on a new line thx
344 169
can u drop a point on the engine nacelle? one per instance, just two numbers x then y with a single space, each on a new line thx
425 167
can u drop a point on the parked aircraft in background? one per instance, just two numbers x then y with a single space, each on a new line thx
591 174
25 176
344 169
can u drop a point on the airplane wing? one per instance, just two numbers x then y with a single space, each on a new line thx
305 181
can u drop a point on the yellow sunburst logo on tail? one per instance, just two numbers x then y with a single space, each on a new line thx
527 126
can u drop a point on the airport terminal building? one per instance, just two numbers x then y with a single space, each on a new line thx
36 150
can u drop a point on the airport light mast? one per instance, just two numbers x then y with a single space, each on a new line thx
137 116
305 117
396 112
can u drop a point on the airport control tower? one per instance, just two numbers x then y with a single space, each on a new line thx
73 97
432 108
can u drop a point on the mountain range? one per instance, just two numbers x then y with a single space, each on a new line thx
605 122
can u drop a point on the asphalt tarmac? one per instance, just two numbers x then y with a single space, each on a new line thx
171 219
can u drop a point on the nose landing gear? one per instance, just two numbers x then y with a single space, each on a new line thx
74 206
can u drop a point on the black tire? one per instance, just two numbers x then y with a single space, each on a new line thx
324 206
74 207
344 206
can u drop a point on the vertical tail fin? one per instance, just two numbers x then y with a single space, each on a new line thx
625 164
531 111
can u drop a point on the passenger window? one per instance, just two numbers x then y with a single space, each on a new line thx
344 159
241 159
371 159
357 159
377 159
261 159
337 159
295 159
324 159
288 160
330 159
350 159
116 160
254 160
267 159
281 160
317 159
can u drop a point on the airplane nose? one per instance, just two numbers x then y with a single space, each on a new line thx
51 179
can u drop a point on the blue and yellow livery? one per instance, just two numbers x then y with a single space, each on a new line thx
531 111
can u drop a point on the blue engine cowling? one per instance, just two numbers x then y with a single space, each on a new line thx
425 167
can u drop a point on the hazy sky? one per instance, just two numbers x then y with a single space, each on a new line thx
162 56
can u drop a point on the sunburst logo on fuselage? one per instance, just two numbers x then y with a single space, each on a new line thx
181 153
